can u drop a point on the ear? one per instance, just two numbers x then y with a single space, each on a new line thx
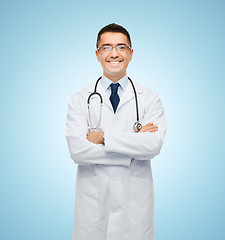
97 55
131 54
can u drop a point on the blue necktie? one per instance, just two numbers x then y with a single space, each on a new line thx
114 98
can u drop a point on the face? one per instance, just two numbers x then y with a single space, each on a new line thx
114 63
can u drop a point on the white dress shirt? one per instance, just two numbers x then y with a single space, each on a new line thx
105 82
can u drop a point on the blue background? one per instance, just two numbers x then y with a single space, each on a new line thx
48 53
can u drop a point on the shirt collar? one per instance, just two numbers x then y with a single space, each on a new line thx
105 82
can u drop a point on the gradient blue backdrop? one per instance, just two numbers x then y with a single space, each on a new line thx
48 53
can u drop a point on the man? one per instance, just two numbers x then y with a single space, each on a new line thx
114 188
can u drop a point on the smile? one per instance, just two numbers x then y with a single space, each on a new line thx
114 62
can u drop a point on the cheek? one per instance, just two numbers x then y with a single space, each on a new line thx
127 62
103 60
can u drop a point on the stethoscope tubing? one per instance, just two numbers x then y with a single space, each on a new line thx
136 101
137 125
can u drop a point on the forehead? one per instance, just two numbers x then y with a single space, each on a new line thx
113 38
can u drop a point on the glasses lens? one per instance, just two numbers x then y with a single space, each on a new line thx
107 48
121 48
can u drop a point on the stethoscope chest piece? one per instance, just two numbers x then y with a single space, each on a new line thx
137 127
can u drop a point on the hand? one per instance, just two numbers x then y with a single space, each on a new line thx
95 137
149 127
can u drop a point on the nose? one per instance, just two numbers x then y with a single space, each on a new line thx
114 53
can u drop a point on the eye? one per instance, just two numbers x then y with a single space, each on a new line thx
121 47
107 48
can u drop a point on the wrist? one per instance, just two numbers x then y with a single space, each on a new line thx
103 138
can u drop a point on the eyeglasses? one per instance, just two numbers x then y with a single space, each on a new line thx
119 48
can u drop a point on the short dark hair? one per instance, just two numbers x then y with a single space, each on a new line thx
113 28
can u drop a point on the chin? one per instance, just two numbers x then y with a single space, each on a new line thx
114 73
114 70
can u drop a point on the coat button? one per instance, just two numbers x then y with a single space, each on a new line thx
113 210
113 178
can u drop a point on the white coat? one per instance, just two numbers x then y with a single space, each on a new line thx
114 188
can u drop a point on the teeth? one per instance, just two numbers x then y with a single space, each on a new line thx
114 62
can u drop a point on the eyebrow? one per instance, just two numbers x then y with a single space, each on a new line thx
109 44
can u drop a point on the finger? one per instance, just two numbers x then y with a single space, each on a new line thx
149 127
152 127
153 130
149 124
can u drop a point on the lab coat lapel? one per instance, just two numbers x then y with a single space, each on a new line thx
106 100
128 95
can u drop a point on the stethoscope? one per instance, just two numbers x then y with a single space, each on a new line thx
137 125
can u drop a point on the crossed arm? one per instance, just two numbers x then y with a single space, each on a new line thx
116 148
97 137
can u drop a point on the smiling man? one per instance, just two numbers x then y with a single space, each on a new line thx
114 128
114 52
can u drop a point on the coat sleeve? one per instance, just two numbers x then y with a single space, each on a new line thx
142 145
81 150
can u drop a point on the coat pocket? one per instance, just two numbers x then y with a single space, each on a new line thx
87 200
141 201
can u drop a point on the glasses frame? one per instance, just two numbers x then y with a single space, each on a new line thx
99 48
